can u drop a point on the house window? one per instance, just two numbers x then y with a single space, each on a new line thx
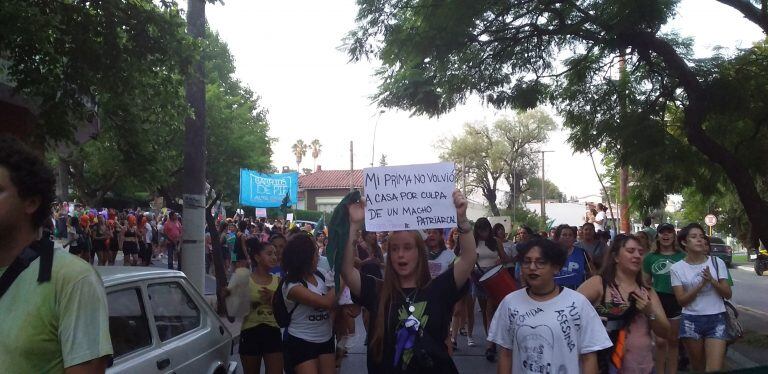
327 204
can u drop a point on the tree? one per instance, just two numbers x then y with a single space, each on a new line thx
523 134
136 158
436 54
551 191
480 150
505 150
120 60
299 150
316 149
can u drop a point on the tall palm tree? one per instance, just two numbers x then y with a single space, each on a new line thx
315 145
299 150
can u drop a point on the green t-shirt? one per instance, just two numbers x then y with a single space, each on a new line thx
659 266
54 325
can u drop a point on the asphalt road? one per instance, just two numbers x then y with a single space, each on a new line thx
750 290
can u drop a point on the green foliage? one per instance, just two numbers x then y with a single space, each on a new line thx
677 122
129 156
533 190
306 215
76 58
526 217
503 150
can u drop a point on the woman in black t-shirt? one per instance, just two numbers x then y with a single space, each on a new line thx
410 312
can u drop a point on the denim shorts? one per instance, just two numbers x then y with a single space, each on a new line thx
708 326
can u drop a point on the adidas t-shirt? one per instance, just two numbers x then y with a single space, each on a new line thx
311 324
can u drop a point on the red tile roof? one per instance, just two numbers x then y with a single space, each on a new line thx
331 179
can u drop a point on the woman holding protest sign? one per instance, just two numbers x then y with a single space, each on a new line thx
400 339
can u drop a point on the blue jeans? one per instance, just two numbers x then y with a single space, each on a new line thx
710 326
170 248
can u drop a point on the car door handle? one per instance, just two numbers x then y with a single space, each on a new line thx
164 363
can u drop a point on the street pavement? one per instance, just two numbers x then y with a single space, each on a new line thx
750 295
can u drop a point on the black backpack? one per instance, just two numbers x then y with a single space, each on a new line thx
279 309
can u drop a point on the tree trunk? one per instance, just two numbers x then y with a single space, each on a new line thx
694 116
490 195
754 205
624 193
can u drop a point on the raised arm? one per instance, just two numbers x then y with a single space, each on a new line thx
349 273
462 268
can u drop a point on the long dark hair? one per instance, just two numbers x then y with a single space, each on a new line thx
484 224
391 287
298 256
608 272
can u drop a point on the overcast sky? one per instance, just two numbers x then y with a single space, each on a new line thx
288 53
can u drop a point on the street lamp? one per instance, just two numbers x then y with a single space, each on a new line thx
373 144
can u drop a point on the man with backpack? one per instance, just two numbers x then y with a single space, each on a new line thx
53 304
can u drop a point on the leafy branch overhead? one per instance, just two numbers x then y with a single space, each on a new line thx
707 114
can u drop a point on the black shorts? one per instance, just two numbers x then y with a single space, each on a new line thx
130 248
669 302
297 351
99 245
260 340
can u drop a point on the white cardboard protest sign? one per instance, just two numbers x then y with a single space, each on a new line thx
412 197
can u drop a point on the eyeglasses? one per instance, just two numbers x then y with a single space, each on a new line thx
538 264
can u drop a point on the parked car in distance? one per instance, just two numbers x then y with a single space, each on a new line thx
300 223
717 247
159 323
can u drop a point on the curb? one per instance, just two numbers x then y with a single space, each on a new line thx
740 360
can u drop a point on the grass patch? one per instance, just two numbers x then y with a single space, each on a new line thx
739 259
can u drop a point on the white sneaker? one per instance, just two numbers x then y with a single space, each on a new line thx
471 342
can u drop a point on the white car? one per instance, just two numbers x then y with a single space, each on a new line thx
160 323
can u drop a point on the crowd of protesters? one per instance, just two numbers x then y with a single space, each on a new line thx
632 298
586 301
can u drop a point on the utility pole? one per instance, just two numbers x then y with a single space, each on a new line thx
543 188
351 165
514 194
192 257
464 176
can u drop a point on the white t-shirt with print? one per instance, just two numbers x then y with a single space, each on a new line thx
441 263
600 217
549 336
708 301
311 324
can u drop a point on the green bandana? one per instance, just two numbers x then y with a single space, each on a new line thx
338 234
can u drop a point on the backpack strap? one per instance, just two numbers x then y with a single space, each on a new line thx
295 304
41 248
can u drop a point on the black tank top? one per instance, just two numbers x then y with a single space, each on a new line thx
130 233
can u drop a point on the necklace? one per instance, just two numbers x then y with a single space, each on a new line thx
410 299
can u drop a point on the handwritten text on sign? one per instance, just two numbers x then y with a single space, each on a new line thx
413 197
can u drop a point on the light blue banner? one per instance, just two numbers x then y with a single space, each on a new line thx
267 190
